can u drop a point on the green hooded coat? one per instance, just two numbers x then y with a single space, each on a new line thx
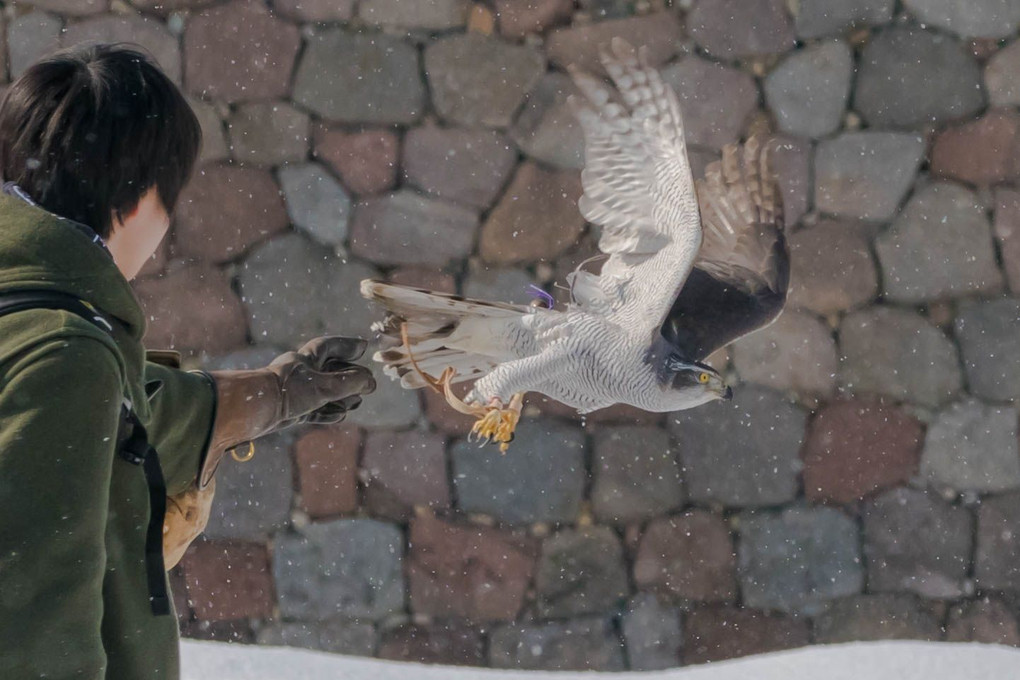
74 600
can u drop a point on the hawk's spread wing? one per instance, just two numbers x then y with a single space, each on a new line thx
638 188
742 273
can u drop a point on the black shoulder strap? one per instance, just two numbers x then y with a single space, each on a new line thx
132 439
19 301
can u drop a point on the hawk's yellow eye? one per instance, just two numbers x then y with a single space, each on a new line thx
703 378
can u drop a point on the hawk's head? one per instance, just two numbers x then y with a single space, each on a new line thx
689 383
696 379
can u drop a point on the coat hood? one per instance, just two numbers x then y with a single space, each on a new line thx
41 251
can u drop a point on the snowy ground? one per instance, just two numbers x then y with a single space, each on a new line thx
857 661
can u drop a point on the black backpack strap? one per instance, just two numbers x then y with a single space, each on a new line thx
136 450
132 439
22 300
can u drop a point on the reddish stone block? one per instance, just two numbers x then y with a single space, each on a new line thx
219 631
987 620
473 573
858 446
831 268
163 6
406 228
315 10
239 52
659 33
179 591
403 470
365 161
536 196
517 19
890 616
71 7
424 277
766 28
718 633
192 308
155 265
225 210
229 580
152 34
442 415
327 462
689 557
984 151
448 643
623 414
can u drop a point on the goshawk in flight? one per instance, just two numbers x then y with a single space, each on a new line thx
689 268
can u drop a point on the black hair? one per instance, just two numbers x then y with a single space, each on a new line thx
88 131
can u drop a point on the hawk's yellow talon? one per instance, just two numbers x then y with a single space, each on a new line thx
494 424
497 424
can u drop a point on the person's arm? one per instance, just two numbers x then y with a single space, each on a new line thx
59 412
181 422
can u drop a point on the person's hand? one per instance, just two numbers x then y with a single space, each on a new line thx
319 383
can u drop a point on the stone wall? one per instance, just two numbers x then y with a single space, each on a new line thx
865 482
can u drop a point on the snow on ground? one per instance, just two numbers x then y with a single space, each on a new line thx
855 661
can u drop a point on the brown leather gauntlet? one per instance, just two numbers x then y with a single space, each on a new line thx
316 384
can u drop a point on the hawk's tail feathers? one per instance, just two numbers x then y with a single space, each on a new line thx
443 331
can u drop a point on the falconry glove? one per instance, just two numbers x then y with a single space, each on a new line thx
317 384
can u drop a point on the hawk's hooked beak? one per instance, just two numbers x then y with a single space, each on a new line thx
727 394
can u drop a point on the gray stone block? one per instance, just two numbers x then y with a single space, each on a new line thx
580 572
637 474
430 15
540 479
389 407
338 637
651 632
989 336
865 175
974 19
479 80
579 644
797 353
819 18
716 100
877 617
742 453
296 290
940 246
896 352
269 133
916 542
973 446
799 559
408 228
1002 76
809 90
459 165
30 37
546 129
316 203
253 499
997 560
348 568
332 80
910 77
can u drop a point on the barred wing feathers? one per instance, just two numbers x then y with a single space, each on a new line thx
742 273
638 189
